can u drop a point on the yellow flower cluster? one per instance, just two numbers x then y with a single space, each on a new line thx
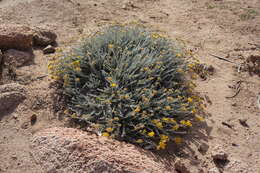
163 142
186 123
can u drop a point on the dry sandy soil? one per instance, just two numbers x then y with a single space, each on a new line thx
226 28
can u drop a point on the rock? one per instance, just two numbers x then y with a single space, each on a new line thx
17 58
48 49
72 150
213 170
43 37
15 37
220 157
22 37
210 69
10 96
33 119
181 167
203 148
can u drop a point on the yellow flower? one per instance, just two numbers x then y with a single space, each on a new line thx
137 109
78 69
183 122
145 99
177 140
159 125
164 137
176 127
194 76
167 107
191 66
172 120
73 115
109 129
113 85
178 55
77 79
146 68
170 99
155 121
109 78
76 63
116 118
66 77
139 141
161 145
105 134
50 67
199 118
66 111
55 77
151 134
155 35
190 99
188 123
110 46
165 119
180 70
193 110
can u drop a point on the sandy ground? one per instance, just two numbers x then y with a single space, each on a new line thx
221 27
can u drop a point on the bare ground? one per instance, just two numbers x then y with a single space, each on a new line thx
222 28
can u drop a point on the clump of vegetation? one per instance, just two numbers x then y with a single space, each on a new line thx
248 14
129 84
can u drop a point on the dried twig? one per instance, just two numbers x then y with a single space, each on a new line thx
226 124
258 101
224 59
229 97
238 90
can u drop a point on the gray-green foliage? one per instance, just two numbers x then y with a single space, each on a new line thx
129 84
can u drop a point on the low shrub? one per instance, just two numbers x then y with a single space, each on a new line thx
129 84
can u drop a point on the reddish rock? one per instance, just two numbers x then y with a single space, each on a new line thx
22 37
10 96
44 37
15 37
17 58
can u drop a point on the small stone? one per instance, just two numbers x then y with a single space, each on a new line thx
234 104
214 170
234 144
218 153
15 116
181 167
33 119
14 157
203 148
211 69
49 49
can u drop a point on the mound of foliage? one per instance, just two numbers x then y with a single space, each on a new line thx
129 84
